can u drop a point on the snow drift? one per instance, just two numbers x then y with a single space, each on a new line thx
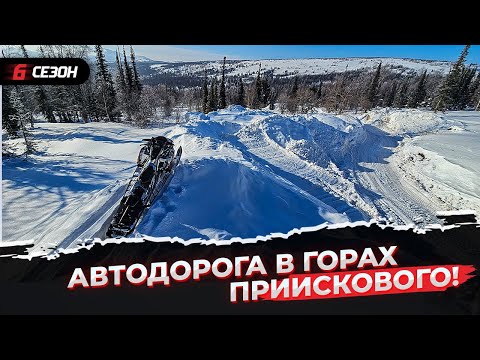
243 173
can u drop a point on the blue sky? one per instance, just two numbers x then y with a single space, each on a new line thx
258 52
254 52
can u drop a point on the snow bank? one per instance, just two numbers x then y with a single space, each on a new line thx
317 138
243 173
219 198
222 188
404 122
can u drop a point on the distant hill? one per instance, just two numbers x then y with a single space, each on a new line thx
292 67
110 56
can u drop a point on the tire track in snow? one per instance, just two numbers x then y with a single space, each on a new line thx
329 179
400 201
89 214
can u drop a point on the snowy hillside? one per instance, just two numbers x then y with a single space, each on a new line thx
243 173
291 67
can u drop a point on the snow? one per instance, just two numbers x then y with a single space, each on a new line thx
246 173
405 121
291 67
456 212
445 163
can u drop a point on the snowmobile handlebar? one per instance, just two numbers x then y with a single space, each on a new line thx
155 138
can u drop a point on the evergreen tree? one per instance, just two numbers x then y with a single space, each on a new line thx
26 92
241 94
167 104
390 97
222 101
106 93
44 104
9 113
265 91
474 91
128 73
420 92
136 81
205 103
463 96
372 91
212 105
401 96
43 99
88 110
448 93
215 95
24 51
292 101
120 76
257 95
294 89
272 98
319 90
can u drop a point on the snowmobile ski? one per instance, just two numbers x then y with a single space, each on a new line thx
156 165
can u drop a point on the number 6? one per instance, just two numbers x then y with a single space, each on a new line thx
19 72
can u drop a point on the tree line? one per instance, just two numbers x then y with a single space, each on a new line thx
352 90
347 91
101 98
119 95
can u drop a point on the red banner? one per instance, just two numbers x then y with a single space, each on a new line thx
368 282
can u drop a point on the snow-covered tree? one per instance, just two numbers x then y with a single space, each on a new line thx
448 93
9 112
402 95
390 95
420 92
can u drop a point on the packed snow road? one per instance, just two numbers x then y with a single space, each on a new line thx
431 163
245 173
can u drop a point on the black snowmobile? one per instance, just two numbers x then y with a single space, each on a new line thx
156 164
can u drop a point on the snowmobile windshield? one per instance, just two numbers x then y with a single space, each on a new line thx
157 144
142 155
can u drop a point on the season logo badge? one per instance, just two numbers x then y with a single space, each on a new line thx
43 71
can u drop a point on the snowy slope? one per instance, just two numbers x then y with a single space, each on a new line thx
446 163
405 121
291 67
245 173
433 160
221 189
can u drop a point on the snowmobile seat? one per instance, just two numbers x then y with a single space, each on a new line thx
135 196
147 175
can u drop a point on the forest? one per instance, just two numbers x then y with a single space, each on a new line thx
118 93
